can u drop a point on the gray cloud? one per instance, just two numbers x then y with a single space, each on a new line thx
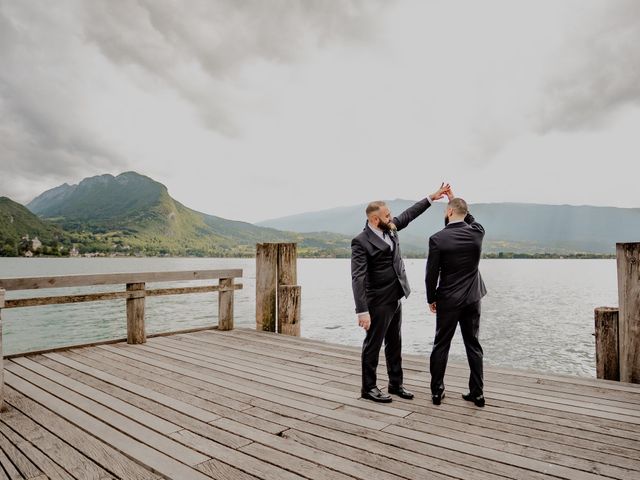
599 71
196 48
41 138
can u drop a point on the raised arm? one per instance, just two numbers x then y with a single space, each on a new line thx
418 208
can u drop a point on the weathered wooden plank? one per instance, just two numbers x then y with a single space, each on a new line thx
21 462
35 424
189 290
606 333
415 463
31 283
97 297
568 444
286 384
502 456
8 468
40 460
133 448
181 387
250 359
240 460
364 456
557 454
628 261
158 424
62 299
453 458
186 408
105 342
257 392
513 411
76 409
216 469
416 363
304 452
241 362
266 286
563 404
560 404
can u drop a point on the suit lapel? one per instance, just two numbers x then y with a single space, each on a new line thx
376 240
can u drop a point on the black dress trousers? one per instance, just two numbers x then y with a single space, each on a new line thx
386 323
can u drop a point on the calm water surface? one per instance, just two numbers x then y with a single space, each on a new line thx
538 314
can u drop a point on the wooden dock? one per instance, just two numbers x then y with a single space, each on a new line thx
242 404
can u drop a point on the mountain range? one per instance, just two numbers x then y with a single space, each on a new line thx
510 227
134 214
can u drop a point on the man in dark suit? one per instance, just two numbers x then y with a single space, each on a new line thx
379 282
454 256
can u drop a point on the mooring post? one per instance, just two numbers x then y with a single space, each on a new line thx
135 313
607 352
1 354
225 304
289 304
628 261
266 286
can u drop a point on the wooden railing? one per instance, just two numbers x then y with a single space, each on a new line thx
134 295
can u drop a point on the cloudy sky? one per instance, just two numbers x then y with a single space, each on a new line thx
259 109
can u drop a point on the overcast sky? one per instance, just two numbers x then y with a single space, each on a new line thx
259 109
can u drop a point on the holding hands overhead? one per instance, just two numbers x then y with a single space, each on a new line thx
443 191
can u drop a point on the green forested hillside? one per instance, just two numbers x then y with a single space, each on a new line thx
18 226
131 213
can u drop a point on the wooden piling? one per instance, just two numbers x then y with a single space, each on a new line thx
266 286
287 264
628 261
225 304
289 305
135 313
1 354
607 354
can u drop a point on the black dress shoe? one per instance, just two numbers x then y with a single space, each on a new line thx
401 392
437 398
376 395
479 400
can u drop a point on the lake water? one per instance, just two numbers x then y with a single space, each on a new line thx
537 316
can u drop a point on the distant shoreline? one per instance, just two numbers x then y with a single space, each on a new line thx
488 256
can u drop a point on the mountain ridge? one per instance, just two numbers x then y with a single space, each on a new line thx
511 226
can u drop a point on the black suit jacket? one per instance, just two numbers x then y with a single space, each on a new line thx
454 256
377 274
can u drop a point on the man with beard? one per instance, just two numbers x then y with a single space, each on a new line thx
379 282
454 292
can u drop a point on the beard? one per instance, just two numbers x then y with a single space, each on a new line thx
387 227
446 220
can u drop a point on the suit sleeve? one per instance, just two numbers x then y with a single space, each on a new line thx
359 275
411 213
471 221
433 270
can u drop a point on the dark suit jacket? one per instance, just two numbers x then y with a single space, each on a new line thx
377 274
454 256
